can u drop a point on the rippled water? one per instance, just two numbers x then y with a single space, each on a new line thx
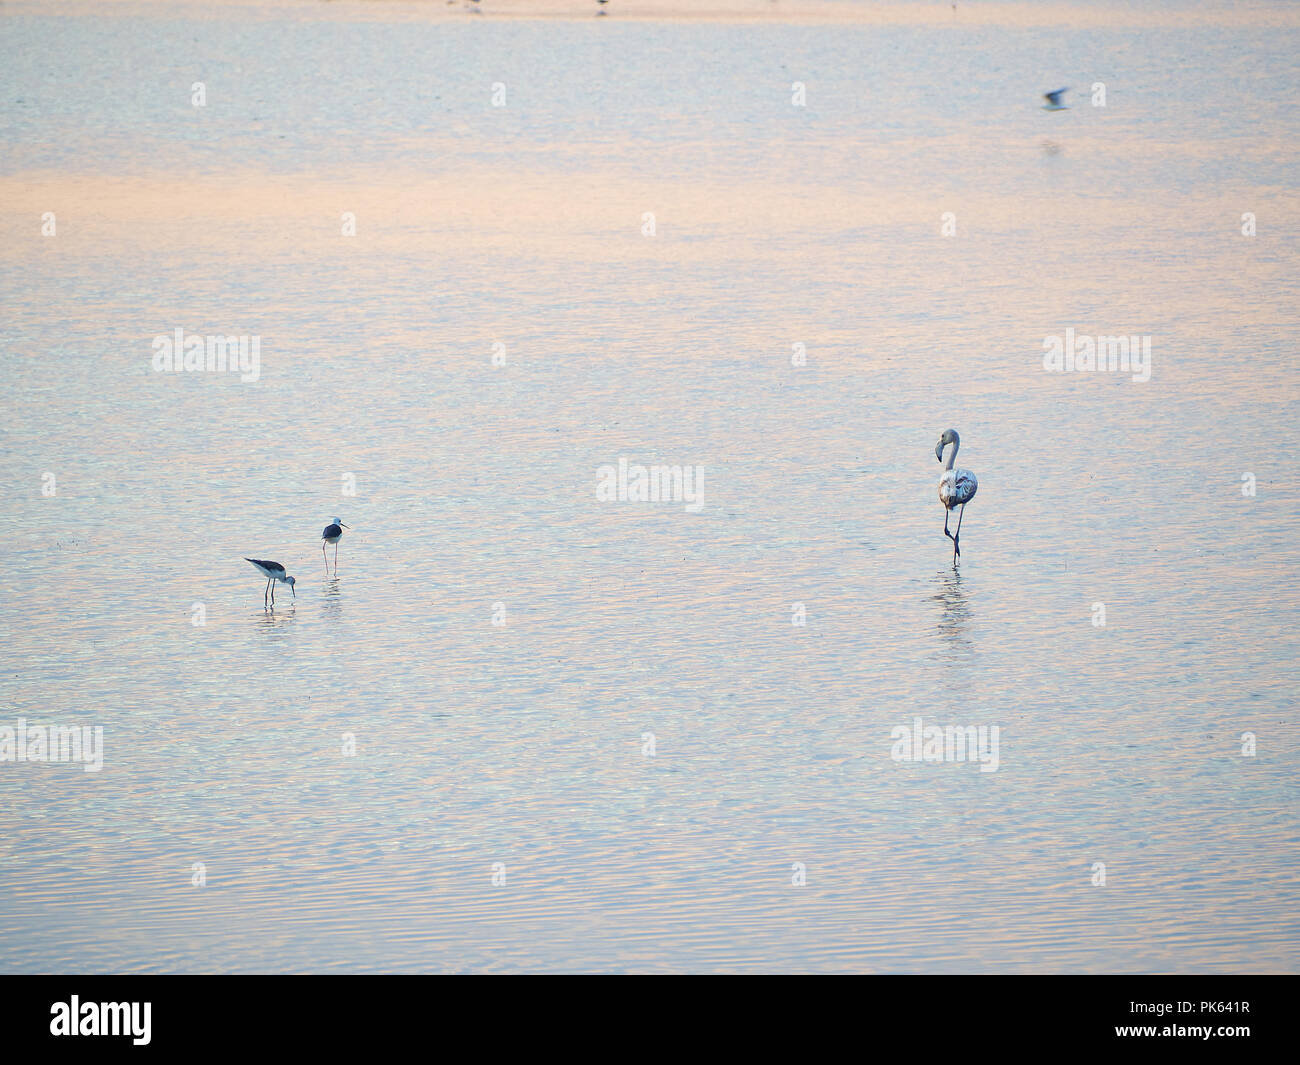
475 484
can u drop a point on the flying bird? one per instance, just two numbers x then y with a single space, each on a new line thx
956 488
1054 100
273 572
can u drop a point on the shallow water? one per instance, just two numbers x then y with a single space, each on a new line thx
475 484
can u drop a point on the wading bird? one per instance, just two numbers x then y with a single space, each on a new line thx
956 487
273 572
332 534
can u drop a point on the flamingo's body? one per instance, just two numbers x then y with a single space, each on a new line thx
956 487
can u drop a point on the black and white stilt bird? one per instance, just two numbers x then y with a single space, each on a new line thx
956 488
332 534
1054 100
273 572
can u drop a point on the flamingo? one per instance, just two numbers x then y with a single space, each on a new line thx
956 488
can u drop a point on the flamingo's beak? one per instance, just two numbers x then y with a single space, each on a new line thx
938 450
295 594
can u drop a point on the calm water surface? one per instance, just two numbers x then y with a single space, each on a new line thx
522 744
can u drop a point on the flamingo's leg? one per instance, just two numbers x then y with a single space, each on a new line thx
956 540
946 533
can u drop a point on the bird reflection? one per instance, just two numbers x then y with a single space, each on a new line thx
955 616
332 604
276 622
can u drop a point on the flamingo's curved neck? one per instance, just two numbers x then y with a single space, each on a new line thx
952 455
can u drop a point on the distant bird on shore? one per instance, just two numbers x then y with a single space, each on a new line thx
956 488
1054 100
332 534
273 572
